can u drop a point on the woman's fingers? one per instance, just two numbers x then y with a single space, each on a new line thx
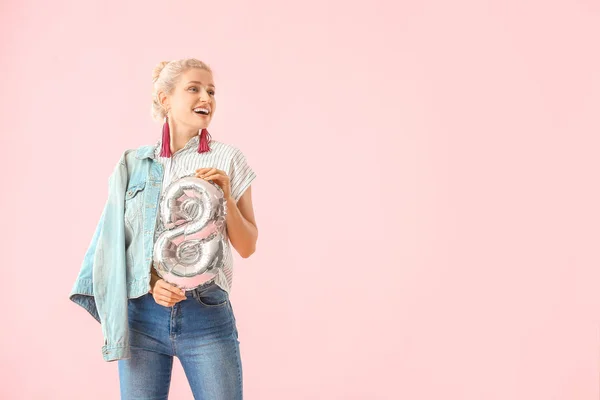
210 173
212 177
201 172
209 177
206 170
170 288
171 296
168 296
166 301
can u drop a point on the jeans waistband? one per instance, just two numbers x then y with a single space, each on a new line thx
200 288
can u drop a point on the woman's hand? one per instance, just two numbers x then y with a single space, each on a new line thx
164 293
218 176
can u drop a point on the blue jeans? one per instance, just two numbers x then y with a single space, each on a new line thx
200 330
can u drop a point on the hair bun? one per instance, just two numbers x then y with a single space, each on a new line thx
156 72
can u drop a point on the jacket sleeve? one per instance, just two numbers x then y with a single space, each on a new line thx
109 270
82 292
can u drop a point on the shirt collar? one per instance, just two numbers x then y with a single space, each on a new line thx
152 151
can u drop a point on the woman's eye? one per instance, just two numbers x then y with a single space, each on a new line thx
211 92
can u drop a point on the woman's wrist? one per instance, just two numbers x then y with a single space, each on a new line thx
153 277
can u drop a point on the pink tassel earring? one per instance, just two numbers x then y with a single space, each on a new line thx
165 150
204 141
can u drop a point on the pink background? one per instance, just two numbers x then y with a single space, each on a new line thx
427 193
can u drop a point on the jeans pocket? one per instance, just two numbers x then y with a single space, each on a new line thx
212 296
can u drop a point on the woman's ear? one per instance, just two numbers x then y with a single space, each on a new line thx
163 100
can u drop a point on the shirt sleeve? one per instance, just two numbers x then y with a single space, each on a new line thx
242 175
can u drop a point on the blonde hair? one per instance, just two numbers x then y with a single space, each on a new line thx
165 76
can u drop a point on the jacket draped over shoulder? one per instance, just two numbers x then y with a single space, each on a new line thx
104 283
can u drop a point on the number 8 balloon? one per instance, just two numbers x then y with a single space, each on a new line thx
190 250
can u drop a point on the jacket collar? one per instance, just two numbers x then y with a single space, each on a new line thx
145 152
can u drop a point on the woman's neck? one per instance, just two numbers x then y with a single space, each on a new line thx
180 136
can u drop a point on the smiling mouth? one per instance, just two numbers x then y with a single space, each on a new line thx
201 111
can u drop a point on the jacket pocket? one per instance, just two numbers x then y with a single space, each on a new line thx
134 200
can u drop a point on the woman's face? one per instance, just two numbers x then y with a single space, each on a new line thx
194 91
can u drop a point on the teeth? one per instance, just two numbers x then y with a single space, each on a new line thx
201 110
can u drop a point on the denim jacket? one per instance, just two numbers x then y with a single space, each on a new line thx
116 265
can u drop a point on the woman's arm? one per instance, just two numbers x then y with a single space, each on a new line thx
241 224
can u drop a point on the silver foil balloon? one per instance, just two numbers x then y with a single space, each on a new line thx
190 250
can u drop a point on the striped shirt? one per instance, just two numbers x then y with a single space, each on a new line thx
221 156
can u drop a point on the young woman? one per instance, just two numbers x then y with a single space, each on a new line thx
146 321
